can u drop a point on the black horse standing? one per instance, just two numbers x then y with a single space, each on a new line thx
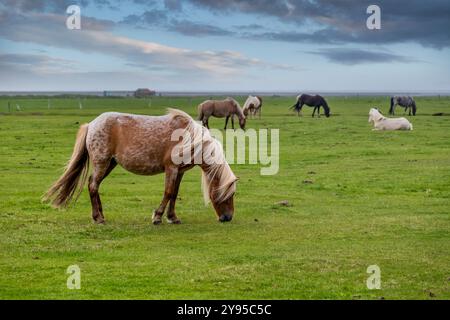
311 101
405 102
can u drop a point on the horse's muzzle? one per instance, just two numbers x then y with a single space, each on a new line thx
225 218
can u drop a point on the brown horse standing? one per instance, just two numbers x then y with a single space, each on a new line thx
220 109
144 145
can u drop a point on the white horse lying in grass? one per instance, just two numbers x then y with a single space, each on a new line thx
380 122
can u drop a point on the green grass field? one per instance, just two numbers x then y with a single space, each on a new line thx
372 198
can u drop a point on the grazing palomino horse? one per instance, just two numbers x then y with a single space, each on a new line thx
252 105
220 109
311 101
144 145
405 102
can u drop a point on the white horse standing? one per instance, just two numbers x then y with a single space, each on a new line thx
380 122
252 106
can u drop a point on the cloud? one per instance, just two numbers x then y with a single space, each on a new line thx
266 7
358 56
153 17
173 5
35 63
253 26
190 28
39 5
59 6
160 18
49 29
319 21
423 22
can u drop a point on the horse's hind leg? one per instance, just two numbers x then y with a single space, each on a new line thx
171 176
226 123
171 216
100 171
299 109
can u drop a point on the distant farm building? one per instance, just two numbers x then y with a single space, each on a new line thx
143 93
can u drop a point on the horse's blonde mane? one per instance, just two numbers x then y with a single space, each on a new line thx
220 168
177 112
238 107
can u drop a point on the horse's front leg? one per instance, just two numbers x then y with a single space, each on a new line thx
171 176
232 121
205 121
226 123
171 216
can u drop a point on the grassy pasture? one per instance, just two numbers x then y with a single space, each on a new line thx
358 198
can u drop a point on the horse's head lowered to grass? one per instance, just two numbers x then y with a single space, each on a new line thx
220 189
218 180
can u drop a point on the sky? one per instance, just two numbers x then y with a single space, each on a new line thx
234 45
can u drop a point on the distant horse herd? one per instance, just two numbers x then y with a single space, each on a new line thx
142 145
229 108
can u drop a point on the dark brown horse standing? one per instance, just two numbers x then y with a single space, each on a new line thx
220 109
311 101
144 145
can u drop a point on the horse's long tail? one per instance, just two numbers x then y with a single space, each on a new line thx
414 108
70 184
296 106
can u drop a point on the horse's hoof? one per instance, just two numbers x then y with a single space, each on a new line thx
175 221
156 219
156 222
99 221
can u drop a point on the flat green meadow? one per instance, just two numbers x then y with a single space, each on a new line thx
356 198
